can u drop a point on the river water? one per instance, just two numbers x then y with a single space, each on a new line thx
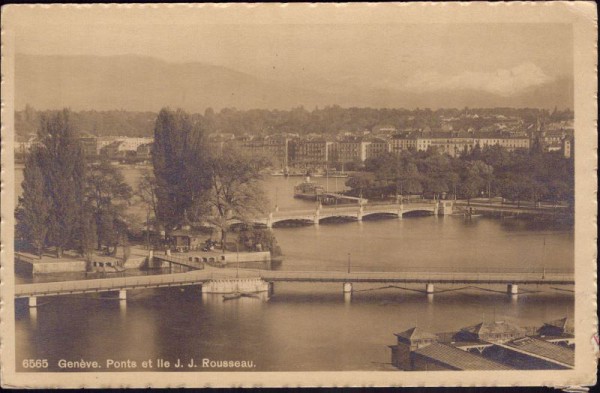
313 326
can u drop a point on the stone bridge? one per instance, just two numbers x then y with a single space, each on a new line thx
355 212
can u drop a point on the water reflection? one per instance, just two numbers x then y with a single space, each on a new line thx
33 317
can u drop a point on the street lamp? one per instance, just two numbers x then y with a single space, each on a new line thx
348 262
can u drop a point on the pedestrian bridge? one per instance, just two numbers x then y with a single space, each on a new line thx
355 212
226 276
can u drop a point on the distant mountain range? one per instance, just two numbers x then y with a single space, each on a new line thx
138 83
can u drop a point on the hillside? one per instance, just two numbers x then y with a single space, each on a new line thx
142 84
137 83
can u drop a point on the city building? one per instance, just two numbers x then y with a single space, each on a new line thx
558 332
377 147
497 331
409 341
453 144
131 144
24 147
531 353
144 152
112 150
351 149
403 141
495 345
313 152
440 356
277 148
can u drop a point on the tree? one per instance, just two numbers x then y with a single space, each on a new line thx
515 187
181 167
260 239
88 235
436 171
109 195
63 167
146 190
360 182
235 192
409 179
33 210
474 178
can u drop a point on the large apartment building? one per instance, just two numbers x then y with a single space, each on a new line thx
317 151
457 143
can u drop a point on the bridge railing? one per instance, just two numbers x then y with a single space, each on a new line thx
358 266
416 276
108 284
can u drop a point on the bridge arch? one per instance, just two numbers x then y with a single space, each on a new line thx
380 215
292 222
337 219
418 213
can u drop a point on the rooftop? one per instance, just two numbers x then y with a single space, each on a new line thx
544 350
416 334
564 324
495 327
458 359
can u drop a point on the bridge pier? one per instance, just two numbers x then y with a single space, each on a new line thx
512 289
446 208
32 301
429 289
347 298
122 294
347 287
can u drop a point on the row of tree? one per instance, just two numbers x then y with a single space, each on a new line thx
67 203
70 204
519 175
330 119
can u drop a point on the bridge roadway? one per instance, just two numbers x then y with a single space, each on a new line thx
198 277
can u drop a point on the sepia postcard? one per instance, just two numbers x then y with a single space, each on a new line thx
286 195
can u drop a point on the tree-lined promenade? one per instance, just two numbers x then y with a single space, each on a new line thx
520 175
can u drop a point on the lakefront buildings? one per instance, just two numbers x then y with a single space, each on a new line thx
323 150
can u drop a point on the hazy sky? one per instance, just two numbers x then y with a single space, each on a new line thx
500 58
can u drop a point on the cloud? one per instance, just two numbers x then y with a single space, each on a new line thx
503 82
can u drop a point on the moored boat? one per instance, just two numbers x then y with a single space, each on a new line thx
231 296
308 190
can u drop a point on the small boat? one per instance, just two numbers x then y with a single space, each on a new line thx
250 294
231 296
237 295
